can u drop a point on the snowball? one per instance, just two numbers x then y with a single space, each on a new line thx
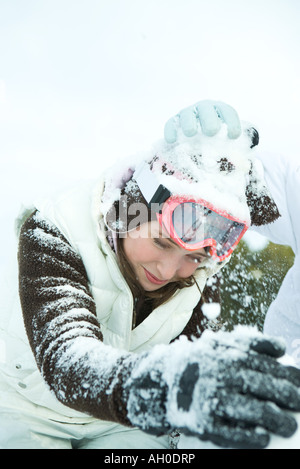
255 241
211 310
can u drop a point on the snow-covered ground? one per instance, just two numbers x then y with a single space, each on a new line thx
82 84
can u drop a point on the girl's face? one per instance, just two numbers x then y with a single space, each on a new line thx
156 259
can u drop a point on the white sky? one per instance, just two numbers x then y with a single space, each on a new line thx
85 82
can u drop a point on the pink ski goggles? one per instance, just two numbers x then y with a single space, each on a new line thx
194 224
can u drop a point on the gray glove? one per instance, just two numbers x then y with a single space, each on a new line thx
225 387
207 114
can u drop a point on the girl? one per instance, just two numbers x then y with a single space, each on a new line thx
115 350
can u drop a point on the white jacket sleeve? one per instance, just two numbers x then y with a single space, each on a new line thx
283 318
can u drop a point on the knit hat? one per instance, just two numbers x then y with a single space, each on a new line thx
224 172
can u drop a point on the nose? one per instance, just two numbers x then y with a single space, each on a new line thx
168 267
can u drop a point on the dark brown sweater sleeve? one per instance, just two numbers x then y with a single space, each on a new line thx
64 334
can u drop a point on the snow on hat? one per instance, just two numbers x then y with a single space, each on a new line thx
224 172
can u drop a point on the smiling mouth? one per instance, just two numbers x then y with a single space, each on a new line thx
154 279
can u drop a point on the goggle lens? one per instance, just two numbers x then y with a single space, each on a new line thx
198 226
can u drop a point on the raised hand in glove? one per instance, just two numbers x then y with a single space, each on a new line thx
225 387
207 114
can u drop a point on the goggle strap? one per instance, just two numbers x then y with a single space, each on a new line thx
160 196
153 192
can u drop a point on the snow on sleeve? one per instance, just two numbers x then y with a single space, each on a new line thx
62 327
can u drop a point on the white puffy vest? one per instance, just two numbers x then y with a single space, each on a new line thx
76 215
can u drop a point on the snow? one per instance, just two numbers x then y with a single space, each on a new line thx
180 155
216 354
78 121
255 241
211 310
276 442
83 348
201 157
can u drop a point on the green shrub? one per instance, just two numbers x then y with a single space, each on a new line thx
250 282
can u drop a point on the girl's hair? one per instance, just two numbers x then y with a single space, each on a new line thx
158 297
